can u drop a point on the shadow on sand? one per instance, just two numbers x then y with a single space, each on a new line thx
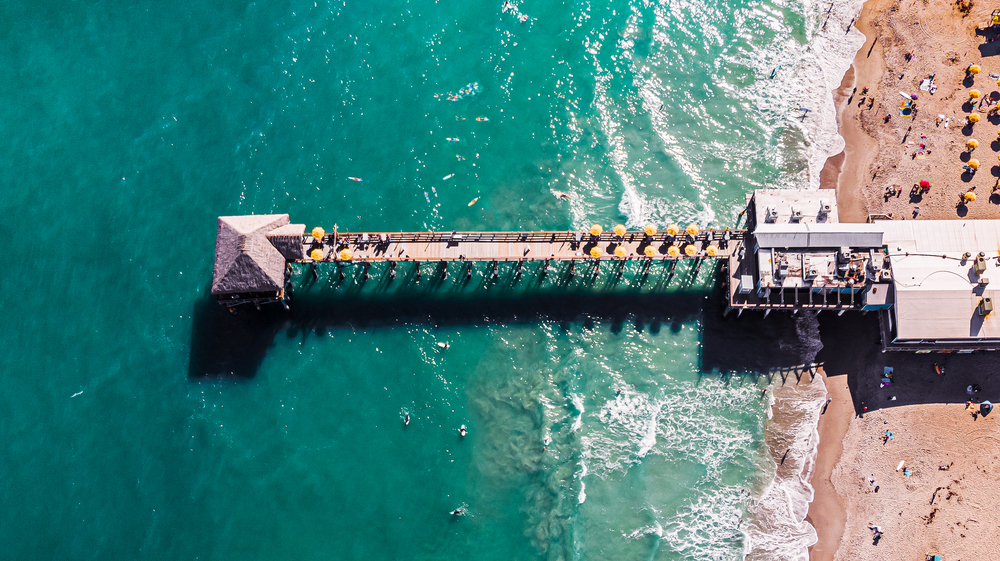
852 348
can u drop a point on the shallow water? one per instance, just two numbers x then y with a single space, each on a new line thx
601 431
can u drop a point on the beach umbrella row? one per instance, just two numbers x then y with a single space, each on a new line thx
673 251
650 230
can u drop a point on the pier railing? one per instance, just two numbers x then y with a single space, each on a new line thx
517 246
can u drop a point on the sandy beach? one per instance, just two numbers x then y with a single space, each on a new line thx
944 504
907 42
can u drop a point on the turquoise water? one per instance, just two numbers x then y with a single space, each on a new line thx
598 433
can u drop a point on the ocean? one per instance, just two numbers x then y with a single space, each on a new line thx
624 420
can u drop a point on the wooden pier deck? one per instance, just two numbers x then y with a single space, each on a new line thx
515 246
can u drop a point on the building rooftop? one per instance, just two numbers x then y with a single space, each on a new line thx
794 207
938 289
245 261
818 236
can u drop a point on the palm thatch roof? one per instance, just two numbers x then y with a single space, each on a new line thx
288 240
245 261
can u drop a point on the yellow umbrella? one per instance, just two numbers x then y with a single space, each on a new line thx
619 251
974 163
672 251
346 255
649 229
972 144
969 196
316 254
974 69
596 230
974 94
973 118
691 250
596 252
649 251
619 229
318 233
712 251
692 230
673 230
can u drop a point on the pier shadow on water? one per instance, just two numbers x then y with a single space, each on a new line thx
235 345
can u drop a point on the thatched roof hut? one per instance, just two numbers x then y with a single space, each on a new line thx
245 261
288 240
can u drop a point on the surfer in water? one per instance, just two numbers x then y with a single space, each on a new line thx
406 420
458 512
462 431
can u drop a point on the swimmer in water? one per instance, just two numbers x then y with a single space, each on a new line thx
462 431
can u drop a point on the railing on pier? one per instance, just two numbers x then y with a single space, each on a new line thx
517 246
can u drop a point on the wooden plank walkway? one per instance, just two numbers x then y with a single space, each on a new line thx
513 246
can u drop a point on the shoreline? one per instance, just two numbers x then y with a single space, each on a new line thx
887 152
846 172
828 511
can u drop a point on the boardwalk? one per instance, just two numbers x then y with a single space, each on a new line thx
517 246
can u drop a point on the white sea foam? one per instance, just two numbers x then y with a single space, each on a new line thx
818 72
778 529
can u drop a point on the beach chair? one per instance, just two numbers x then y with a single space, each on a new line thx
932 557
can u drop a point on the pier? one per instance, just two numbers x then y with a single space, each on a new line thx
518 246
928 281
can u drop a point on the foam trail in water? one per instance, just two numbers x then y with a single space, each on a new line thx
778 529
820 71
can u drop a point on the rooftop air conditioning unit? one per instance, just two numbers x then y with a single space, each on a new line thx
782 271
824 207
985 306
812 273
885 275
746 284
770 214
796 214
979 264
